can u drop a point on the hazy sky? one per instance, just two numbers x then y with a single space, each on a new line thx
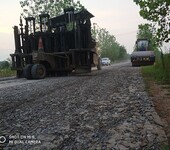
119 17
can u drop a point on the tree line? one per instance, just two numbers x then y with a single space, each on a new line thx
108 45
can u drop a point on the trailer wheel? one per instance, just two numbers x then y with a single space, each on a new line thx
38 71
27 71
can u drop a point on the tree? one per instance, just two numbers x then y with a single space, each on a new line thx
158 12
122 52
108 44
9 60
145 31
52 7
4 64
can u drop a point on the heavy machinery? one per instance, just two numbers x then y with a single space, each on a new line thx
55 46
143 55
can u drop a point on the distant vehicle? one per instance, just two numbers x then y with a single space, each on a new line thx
143 56
105 61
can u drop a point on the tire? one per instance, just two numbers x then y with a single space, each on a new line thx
27 71
38 71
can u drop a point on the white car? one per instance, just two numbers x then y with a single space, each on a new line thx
105 61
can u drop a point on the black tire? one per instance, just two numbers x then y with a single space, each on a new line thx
38 71
27 71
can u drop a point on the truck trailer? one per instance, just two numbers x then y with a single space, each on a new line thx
55 46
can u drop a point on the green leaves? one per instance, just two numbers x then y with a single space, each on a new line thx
53 7
147 31
158 12
4 64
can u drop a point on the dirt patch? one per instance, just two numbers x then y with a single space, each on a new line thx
161 98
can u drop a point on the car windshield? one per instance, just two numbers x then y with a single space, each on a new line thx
105 58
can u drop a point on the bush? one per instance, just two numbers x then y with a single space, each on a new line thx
157 71
7 72
4 64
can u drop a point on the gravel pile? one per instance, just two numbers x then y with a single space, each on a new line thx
107 109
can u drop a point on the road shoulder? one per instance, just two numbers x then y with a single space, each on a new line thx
160 94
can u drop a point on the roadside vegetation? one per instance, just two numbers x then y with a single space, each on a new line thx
157 84
5 69
7 72
158 72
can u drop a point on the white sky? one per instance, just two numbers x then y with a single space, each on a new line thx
119 17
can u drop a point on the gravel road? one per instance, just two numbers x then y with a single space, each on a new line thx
103 110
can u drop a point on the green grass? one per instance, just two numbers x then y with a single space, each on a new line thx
165 147
157 72
7 72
